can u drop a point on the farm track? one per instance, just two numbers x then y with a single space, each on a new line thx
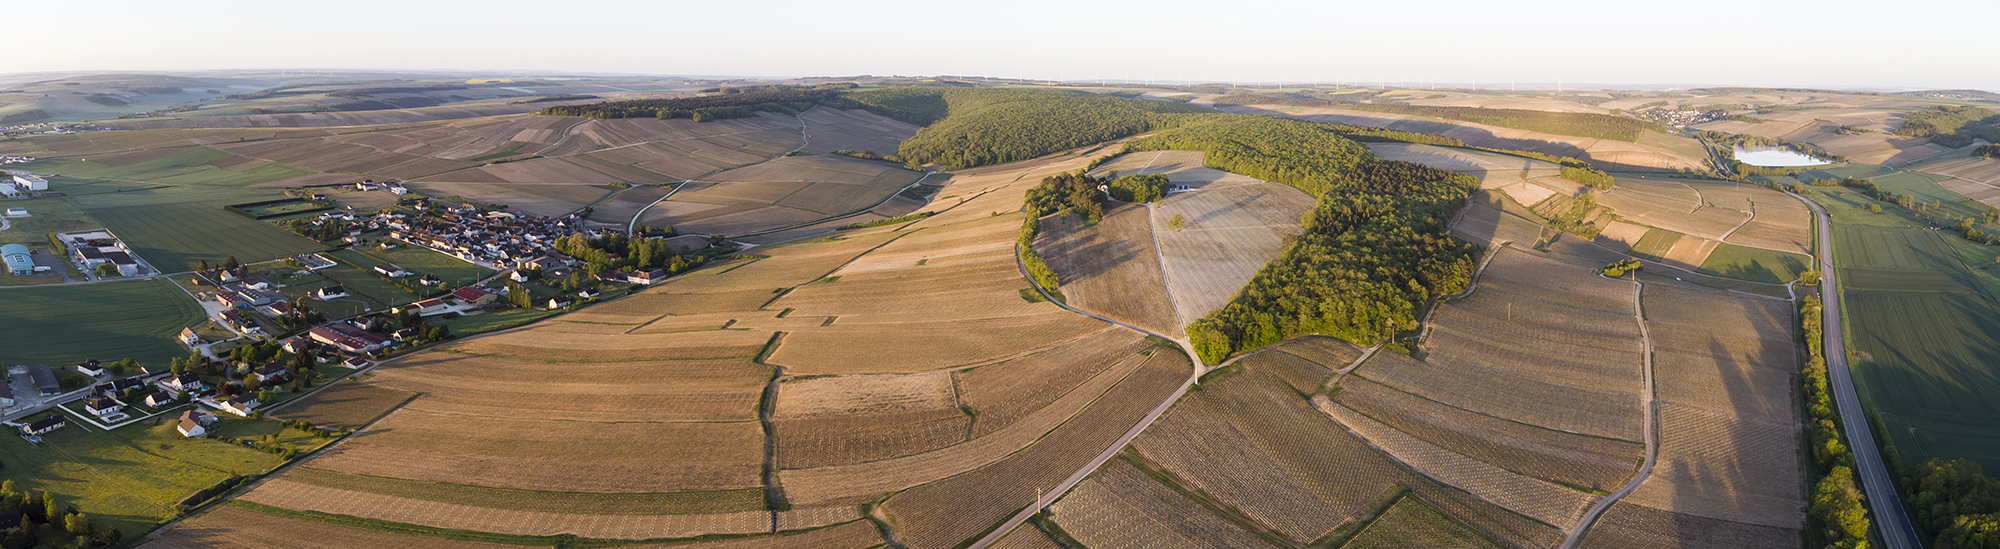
1119 446
1876 481
1575 533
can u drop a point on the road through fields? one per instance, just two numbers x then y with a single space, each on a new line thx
1875 477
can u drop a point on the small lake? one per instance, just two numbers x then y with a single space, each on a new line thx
1776 157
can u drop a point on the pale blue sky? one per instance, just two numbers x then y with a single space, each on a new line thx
1935 44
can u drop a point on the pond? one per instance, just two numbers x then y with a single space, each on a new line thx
1776 157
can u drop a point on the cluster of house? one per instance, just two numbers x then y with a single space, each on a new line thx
17 184
314 262
93 248
349 338
389 187
498 238
46 128
1674 116
15 159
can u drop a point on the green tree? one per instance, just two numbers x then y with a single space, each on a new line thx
1177 222
230 264
78 524
518 295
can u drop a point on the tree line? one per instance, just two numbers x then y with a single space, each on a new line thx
1601 126
702 108
1952 126
1315 157
1836 518
967 127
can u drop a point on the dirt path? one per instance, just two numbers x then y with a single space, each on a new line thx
1883 502
1052 495
1575 533
1739 226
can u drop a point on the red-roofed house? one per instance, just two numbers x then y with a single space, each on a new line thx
348 338
473 296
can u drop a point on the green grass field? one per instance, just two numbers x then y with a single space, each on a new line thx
353 271
1656 243
1923 322
104 321
45 215
129 478
493 320
454 271
1754 264
186 168
175 237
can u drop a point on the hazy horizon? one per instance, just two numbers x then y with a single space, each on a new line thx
1832 44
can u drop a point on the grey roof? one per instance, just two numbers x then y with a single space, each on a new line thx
45 380
17 257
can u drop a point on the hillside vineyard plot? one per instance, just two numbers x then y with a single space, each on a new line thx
1230 233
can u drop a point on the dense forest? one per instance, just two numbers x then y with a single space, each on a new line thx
1316 157
1987 151
1373 251
1074 192
703 108
1140 188
1601 126
1374 248
1952 126
967 127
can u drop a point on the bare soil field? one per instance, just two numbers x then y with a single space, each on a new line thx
1120 506
1487 220
825 421
554 455
944 513
664 300
1544 501
300 496
549 200
1630 526
537 171
1413 523
346 405
852 535
1556 456
230 526
1183 167
1726 353
616 348
865 480
923 346
729 193
1112 269
671 390
1252 443
853 130
823 169
1485 357
1006 392
1718 466
1231 232
1526 180
620 209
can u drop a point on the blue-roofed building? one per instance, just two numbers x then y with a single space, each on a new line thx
18 260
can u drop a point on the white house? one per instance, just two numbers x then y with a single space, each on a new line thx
243 405
103 407
195 424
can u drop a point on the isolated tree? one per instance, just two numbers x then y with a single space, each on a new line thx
1177 222
78 524
230 264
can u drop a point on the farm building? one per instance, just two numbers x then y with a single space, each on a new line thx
242 405
48 423
473 296
429 280
391 270
330 292
30 182
314 262
6 395
103 407
44 379
184 382
17 212
270 373
90 368
126 265
18 260
348 338
356 362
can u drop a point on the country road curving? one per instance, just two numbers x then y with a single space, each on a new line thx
1876 480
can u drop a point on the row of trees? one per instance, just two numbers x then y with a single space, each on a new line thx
1589 176
702 108
1601 126
1836 517
1987 151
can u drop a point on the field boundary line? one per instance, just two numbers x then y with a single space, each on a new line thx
1739 226
634 223
1647 406
1161 257
892 196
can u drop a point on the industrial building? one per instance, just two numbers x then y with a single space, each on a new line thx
18 260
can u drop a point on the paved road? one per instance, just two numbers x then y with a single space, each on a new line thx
1875 478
